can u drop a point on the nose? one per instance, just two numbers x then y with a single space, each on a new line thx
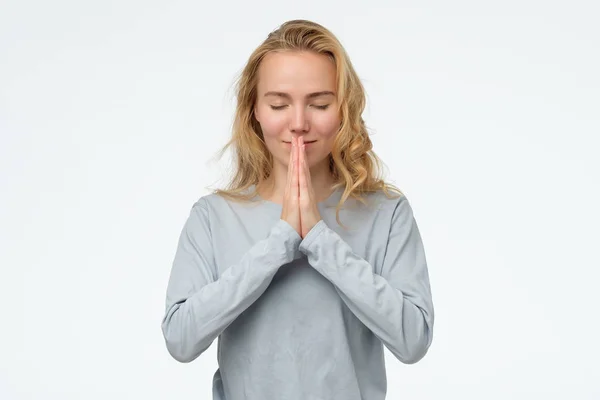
299 121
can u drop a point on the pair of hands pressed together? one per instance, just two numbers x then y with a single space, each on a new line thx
299 205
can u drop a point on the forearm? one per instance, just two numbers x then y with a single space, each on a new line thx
401 319
194 318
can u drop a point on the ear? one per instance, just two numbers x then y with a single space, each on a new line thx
256 114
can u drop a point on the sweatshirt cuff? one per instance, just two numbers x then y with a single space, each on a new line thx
292 239
311 236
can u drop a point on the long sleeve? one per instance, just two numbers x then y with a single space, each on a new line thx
199 306
395 305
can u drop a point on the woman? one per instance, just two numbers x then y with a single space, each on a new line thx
307 265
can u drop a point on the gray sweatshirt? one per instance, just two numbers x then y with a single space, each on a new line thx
303 319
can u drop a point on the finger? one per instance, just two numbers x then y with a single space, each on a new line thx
288 186
294 191
307 174
308 179
302 173
306 168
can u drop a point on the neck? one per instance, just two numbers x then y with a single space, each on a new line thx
273 188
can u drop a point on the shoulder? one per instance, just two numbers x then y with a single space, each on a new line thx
381 200
206 204
393 207
212 201
217 206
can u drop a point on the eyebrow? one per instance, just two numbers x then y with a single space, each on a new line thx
308 96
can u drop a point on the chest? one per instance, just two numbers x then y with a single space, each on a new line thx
236 231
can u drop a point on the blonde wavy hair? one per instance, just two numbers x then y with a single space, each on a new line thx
353 164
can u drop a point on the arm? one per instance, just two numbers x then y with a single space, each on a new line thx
198 305
396 305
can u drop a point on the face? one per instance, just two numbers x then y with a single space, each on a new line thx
296 97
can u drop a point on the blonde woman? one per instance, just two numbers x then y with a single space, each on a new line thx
308 264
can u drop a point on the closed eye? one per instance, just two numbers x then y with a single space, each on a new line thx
323 107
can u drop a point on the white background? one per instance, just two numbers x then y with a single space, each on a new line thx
486 115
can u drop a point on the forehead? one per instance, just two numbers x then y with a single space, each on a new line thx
296 73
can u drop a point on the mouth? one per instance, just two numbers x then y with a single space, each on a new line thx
311 141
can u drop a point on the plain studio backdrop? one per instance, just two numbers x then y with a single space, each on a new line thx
486 114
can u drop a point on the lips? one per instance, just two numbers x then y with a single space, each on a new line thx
311 141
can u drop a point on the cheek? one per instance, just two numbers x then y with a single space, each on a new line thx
271 124
327 125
